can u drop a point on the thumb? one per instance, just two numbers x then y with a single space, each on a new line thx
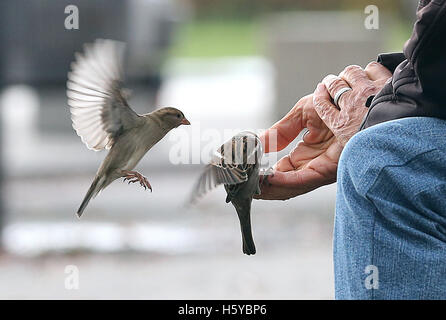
326 110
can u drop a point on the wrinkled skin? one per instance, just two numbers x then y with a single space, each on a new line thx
344 123
313 162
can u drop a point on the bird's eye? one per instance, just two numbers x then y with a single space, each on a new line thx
178 116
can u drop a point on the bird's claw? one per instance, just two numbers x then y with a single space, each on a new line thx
264 175
267 172
133 176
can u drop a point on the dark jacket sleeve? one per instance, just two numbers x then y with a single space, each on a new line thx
391 60
418 85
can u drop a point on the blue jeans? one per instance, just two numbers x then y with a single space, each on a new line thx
390 225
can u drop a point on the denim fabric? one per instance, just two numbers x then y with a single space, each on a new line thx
391 212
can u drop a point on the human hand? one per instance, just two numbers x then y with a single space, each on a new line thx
313 163
345 121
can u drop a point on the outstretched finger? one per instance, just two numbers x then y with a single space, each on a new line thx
286 185
284 164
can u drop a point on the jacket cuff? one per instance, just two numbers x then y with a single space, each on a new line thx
391 60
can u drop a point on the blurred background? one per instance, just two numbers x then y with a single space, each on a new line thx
227 64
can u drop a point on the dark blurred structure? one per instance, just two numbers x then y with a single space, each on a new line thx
37 48
252 8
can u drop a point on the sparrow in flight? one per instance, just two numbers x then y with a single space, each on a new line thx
235 165
103 119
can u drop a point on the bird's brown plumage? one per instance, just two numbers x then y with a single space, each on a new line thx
235 165
103 119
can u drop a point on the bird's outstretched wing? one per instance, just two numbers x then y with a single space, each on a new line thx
99 110
230 164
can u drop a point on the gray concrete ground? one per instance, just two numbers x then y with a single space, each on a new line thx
129 276
161 251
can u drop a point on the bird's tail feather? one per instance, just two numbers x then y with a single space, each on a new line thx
95 187
248 242
244 213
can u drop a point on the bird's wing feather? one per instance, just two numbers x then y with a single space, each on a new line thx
213 176
230 165
99 110
233 189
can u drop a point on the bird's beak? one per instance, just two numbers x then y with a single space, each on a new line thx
185 122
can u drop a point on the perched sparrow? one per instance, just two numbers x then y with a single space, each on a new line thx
103 119
236 165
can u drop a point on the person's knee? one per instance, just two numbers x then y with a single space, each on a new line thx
387 144
358 156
